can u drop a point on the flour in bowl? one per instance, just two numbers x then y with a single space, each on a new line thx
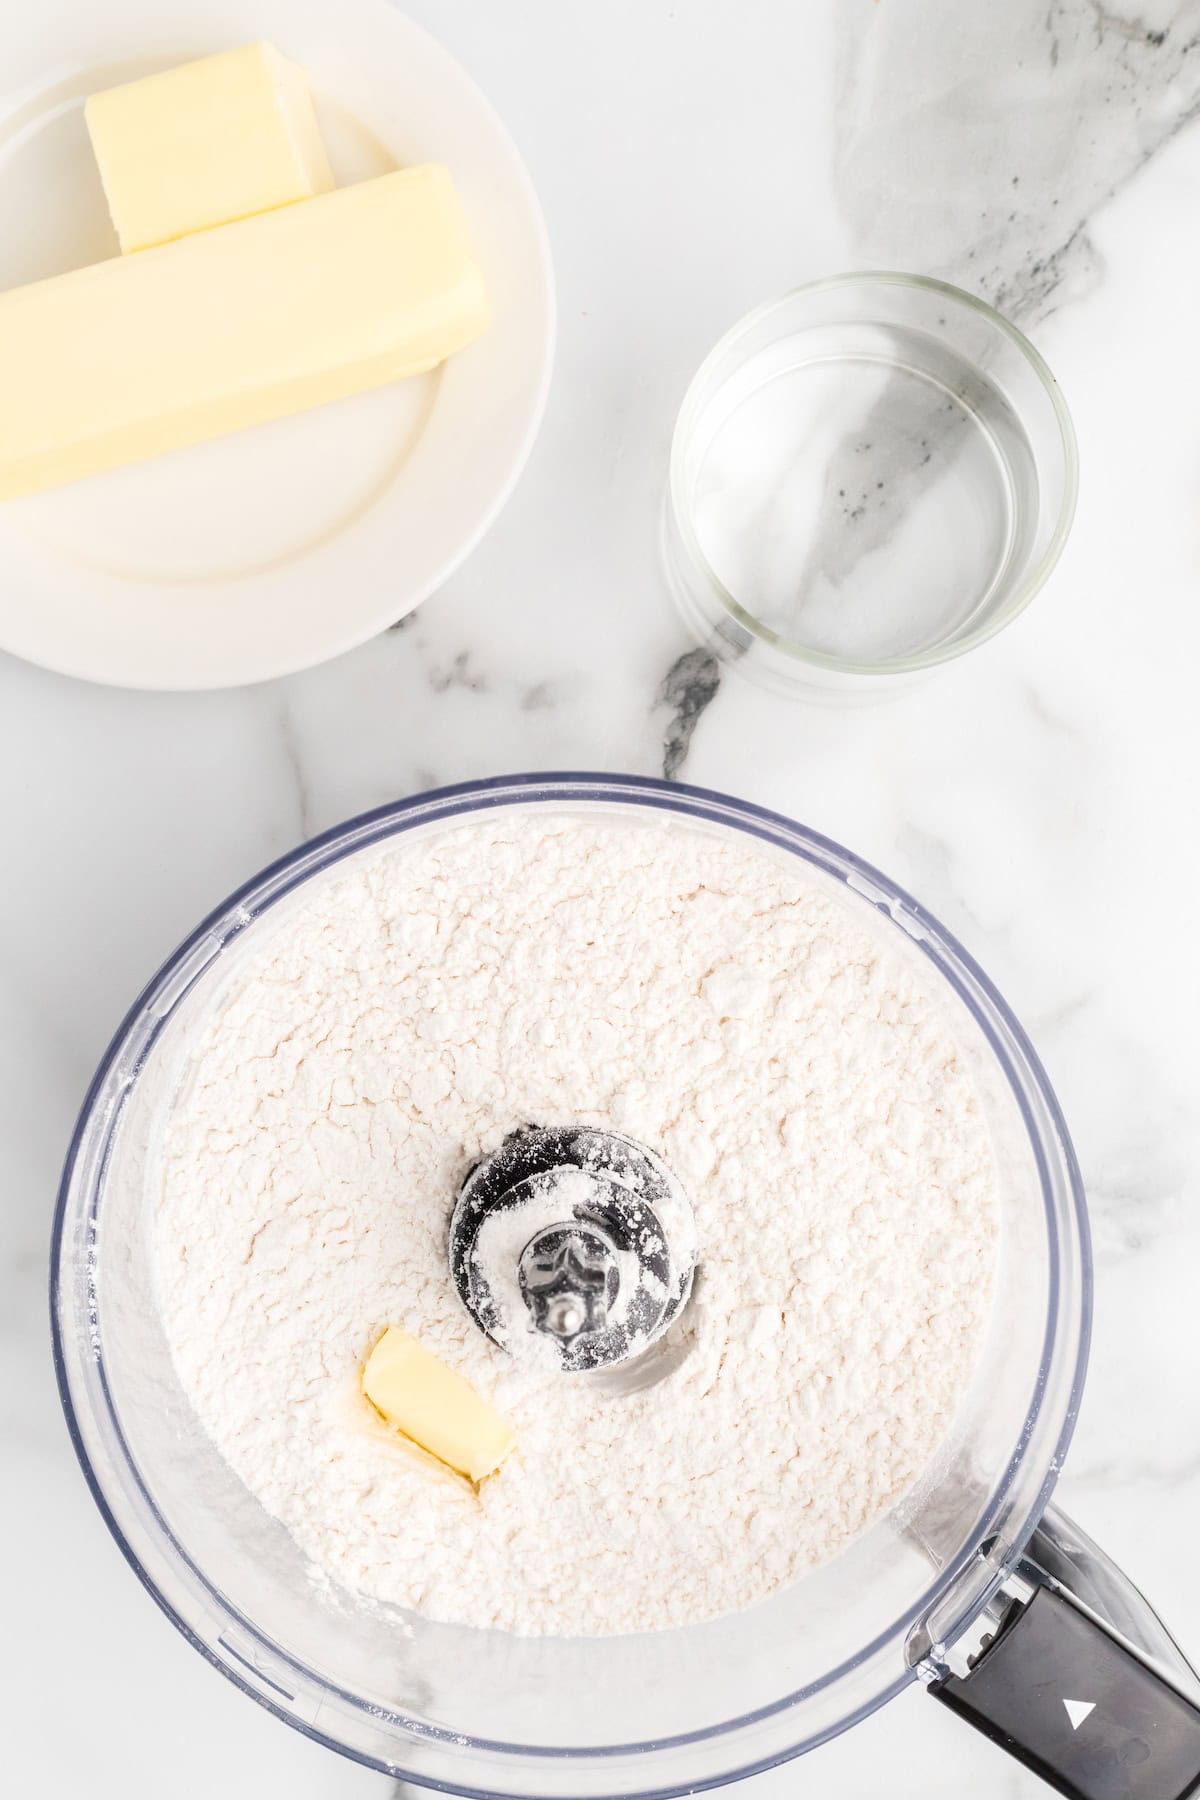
720 1003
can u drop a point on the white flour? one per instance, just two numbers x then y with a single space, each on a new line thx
711 1001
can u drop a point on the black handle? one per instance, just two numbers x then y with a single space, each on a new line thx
1099 1713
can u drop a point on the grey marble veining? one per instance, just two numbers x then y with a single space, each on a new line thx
978 154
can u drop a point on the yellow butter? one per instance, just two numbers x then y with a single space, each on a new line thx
230 327
215 140
434 1406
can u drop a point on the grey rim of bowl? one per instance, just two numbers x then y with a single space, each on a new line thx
903 665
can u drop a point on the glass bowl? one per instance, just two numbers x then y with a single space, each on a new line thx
868 477
483 1712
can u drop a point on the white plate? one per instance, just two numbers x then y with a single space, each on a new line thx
284 545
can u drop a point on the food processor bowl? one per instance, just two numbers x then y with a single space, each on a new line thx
487 1713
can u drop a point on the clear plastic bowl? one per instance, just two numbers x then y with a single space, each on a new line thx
484 1713
868 477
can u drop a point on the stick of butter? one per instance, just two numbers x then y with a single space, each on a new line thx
226 328
215 140
436 1407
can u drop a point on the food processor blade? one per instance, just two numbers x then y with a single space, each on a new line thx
572 1246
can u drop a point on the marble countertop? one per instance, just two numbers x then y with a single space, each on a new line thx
1040 796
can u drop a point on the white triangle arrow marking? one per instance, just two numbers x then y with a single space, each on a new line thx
1078 1710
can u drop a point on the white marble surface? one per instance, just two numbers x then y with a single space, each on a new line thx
694 158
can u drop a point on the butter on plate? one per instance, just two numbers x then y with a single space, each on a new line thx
228 328
435 1406
214 140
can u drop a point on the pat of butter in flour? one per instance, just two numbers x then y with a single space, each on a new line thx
434 1406
231 327
212 141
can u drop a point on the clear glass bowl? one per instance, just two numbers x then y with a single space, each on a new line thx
868 477
484 1713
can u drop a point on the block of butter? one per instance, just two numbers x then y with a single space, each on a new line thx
434 1406
226 328
212 141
